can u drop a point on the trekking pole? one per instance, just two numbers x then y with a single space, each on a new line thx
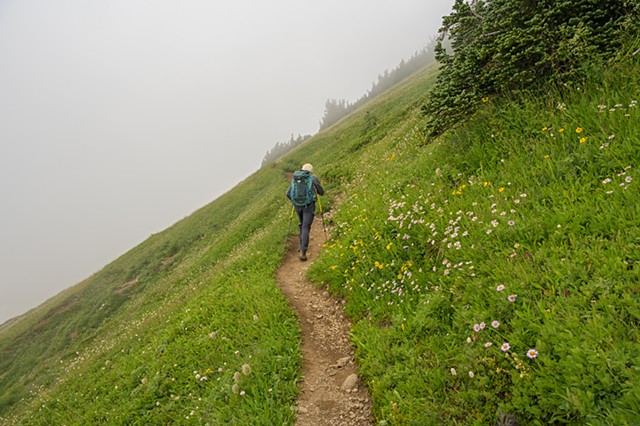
286 241
322 217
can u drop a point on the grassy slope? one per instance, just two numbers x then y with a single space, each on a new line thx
132 340
526 215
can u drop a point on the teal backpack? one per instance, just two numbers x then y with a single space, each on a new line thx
301 190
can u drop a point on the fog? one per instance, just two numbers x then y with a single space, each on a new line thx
120 117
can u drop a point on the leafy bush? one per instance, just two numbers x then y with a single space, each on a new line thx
499 46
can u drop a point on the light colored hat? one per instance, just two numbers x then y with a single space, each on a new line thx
308 167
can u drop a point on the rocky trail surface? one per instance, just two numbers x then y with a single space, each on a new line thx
331 392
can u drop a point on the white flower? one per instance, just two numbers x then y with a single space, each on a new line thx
453 371
471 374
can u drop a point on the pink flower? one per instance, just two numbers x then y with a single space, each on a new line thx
505 347
482 325
512 297
495 324
476 327
500 287
532 353
488 345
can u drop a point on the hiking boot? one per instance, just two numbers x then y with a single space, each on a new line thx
303 255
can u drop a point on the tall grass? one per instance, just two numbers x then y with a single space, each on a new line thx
490 275
157 336
494 274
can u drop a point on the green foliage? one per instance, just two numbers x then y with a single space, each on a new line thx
495 272
500 46
490 275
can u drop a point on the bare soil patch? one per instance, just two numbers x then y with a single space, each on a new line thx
331 392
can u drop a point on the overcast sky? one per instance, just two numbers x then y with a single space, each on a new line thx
120 117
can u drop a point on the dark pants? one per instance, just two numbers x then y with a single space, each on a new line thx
305 215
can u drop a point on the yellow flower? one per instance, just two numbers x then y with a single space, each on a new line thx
547 156
545 128
389 246
485 99
501 189
583 140
579 130
561 130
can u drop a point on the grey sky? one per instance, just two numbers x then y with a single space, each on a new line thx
120 117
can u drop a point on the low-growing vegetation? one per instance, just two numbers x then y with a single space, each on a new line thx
495 274
491 274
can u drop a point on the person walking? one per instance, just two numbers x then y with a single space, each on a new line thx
303 193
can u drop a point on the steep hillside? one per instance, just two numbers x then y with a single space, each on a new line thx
491 276
158 334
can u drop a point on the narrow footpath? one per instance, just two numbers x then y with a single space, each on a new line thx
331 392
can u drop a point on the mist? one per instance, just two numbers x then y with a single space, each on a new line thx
119 118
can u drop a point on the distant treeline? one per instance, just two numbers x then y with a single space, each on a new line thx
281 148
335 110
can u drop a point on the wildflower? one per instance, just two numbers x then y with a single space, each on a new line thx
471 374
505 347
583 140
532 353
482 325
453 371
628 179
511 223
246 369
611 137
489 231
488 345
606 181
213 335
242 393
495 324
500 287
512 297
579 130
561 130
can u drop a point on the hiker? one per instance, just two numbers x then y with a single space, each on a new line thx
303 193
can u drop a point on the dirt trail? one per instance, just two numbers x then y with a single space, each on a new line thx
329 394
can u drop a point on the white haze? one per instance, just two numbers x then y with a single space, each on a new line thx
120 117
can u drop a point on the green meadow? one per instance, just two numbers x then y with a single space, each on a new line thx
491 275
